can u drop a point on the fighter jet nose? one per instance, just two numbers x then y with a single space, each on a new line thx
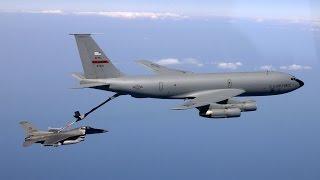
301 83
95 131
104 131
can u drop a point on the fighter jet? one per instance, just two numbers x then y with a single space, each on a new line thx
213 94
54 136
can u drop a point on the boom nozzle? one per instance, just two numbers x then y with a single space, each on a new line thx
78 116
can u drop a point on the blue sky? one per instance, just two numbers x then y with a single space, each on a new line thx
246 8
146 139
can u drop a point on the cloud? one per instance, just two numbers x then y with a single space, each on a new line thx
175 61
315 29
133 15
259 19
48 11
229 65
193 61
110 14
168 61
267 68
315 21
307 23
295 67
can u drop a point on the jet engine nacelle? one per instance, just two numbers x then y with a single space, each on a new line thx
244 106
221 113
79 139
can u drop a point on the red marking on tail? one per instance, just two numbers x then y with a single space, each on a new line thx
100 61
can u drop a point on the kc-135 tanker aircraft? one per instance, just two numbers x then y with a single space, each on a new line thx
213 94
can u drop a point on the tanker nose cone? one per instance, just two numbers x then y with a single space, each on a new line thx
301 83
91 130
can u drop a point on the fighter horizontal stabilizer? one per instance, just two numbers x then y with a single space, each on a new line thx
162 69
28 128
27 143
204 98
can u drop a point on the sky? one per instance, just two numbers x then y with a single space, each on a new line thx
147 140
261 8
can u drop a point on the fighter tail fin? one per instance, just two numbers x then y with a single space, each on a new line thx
95 63
28 127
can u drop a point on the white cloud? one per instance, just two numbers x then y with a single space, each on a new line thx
308 23
295 67
229 65
48 11
315 29
169 61
267 68
175 61
314 21
259 19
193 61
111 14
133 15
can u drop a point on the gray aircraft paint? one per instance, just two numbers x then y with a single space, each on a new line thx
56 137
94 60
182 86
176 84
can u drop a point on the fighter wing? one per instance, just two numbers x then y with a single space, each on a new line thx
57 137
204 98
161 69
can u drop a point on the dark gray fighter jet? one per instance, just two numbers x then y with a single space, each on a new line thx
212 93
56 136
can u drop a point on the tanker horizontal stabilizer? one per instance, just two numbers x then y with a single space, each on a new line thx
90 85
